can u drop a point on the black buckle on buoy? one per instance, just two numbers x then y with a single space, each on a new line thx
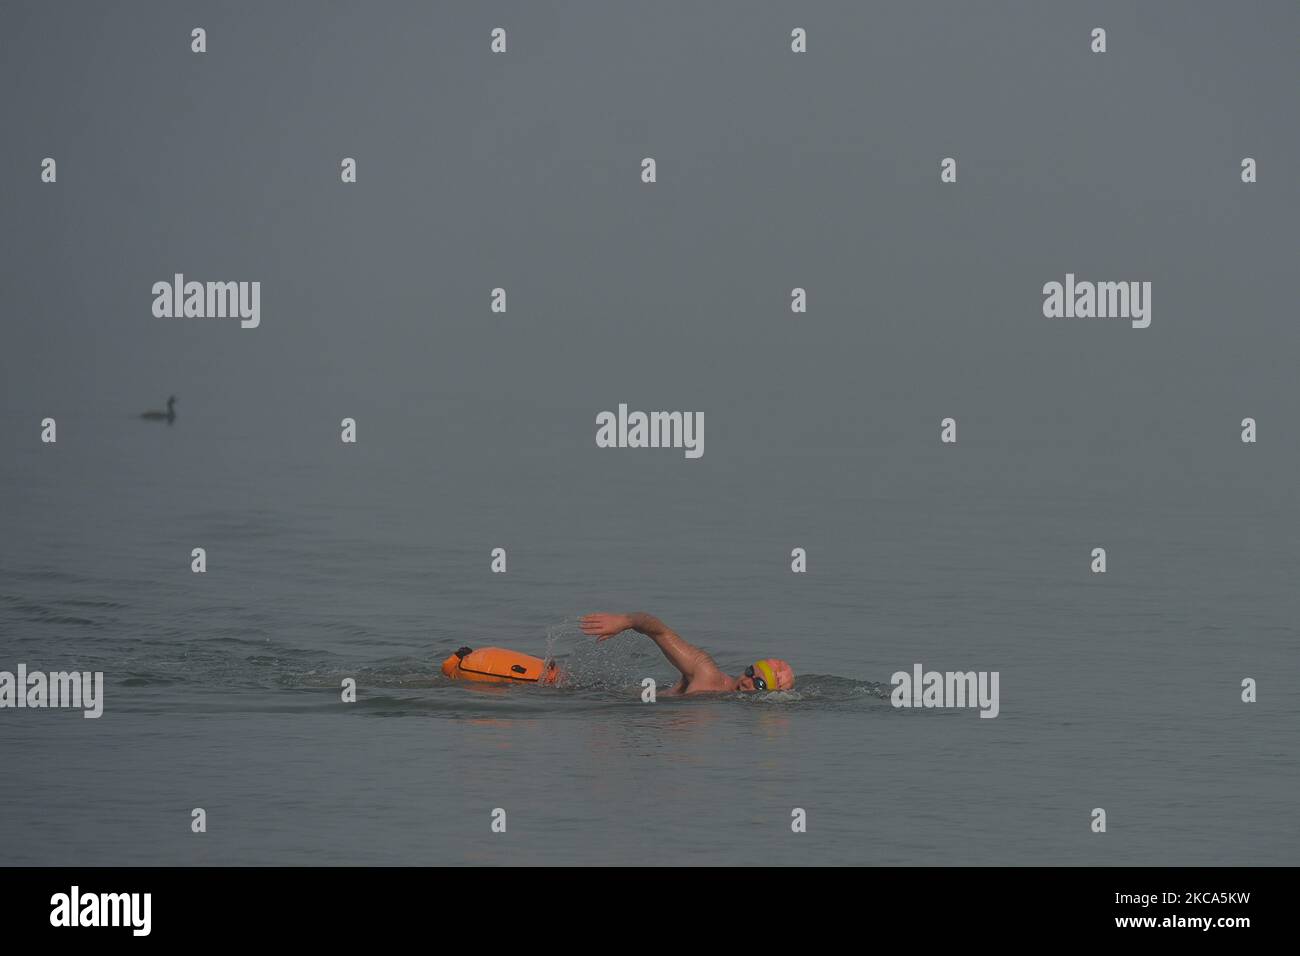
464 652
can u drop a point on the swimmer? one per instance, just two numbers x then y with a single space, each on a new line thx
700 674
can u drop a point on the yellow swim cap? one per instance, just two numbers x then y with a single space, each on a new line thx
763 670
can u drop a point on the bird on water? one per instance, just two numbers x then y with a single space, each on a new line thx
168 416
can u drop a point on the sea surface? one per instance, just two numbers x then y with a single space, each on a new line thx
776 171
327 561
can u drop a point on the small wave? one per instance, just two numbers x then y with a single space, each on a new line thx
104 605
147 680
51 614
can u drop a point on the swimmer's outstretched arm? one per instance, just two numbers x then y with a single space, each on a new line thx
687 658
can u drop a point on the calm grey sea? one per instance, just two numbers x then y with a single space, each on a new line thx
326 561
476 430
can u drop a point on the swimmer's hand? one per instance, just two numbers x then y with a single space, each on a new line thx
605 626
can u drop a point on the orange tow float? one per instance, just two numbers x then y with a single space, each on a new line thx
496 665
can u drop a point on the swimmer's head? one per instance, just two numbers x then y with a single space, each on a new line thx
767 674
